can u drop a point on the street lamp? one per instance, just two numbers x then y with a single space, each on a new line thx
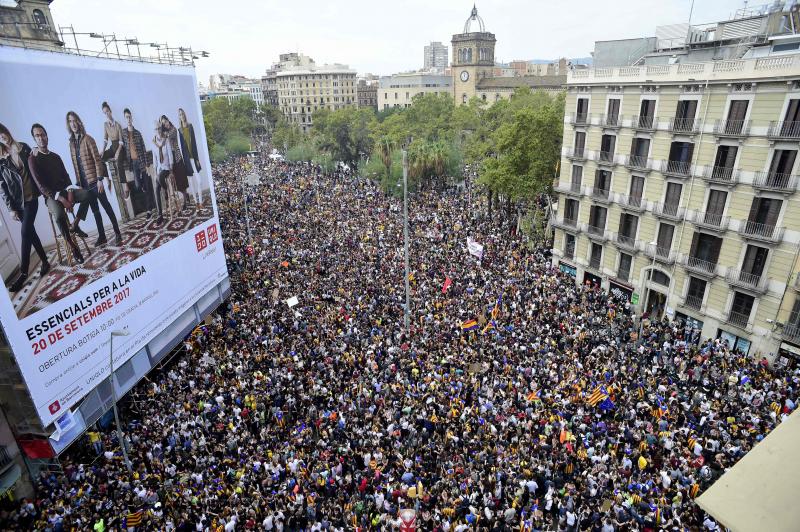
120 435
405 237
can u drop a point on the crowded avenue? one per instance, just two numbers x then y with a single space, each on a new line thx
517 400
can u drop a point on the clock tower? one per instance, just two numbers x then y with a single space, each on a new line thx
473 57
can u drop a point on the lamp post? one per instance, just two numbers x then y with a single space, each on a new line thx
405 238
120 435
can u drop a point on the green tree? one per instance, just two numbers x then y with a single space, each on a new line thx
344 133
229 125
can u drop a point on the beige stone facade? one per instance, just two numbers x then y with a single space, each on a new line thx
678 189
301 91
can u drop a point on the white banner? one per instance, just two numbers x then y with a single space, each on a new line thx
474 248
59 326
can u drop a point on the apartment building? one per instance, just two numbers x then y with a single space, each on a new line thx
435 57
307 88
398 90
678 191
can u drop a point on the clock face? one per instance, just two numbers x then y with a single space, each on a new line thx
464 76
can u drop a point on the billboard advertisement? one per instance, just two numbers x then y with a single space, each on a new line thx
108 220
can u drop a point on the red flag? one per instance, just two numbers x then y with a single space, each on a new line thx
447 283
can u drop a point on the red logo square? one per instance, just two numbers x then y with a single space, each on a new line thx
200 240
54 407
213 235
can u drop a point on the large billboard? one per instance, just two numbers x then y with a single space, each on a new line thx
108 220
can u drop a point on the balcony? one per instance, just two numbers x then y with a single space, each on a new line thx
611 121
775 182
722 175
732 128
746 280
738 319
578 119
637 163
576 154
626 242
644 123
569 252
693 302
634 203
709 220
601 194
784 130
684 126
661 254
568 224
791 332
606 158
763 232
596 233
701 266
670 211
571 189
676 168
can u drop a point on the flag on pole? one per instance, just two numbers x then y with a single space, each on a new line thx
599 394
446 285
534 396
469 325
496 309
489 327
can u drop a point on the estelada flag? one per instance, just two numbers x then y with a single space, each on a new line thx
446 285
134 519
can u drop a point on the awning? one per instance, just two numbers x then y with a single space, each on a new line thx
760 491
9 478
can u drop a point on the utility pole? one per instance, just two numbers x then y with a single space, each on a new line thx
405 239
120 435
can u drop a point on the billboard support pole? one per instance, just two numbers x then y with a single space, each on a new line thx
120 435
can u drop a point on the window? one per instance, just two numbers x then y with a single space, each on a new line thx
463 98
577 177
636 190
763 216
39 19
628 223
640 148
741 308
483 97
705 248
715 207
734 125
696 293
780 170
684 116
580 143
597 219
625 263
755 259
582 110
659 277
607 144
672 198
571 207
602 183
612 118
724 162
596 255
664 239
647 111
569 246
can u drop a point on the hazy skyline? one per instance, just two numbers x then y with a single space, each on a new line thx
245 37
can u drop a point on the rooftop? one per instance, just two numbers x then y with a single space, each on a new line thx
738 69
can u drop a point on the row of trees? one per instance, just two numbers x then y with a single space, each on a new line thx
513 145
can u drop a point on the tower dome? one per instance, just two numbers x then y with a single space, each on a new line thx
474 17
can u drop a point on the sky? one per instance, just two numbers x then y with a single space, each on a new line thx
375 36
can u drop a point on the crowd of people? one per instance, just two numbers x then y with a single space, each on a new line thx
516 400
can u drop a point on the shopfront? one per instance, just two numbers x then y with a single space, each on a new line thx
734 341
620 291
567 268
592 279
788 356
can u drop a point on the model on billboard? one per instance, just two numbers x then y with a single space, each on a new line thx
60 195
163 162
190 153
21 196
112 132
136 158
178 166
90 170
